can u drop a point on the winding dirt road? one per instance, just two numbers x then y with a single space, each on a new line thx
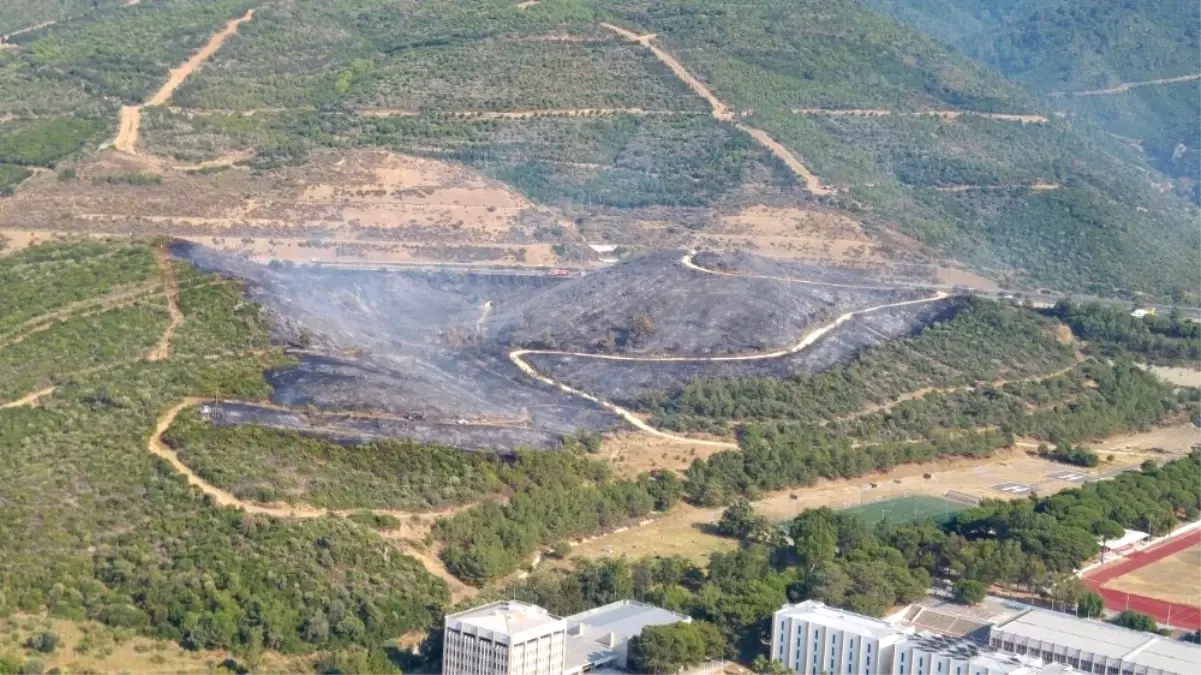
722 112
157 447
131 115
517 357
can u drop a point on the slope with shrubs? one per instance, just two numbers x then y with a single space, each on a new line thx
1064 46
96 527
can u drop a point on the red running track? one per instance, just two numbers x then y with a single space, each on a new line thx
1187 617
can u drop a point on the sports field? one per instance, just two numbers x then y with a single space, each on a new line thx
909 509
1160 581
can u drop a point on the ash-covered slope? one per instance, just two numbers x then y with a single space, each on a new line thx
428 353
652 304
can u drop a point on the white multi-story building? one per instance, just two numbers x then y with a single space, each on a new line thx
504 638
929 654
1092 646
516 638
813 639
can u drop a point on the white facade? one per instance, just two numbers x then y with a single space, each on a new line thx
504 638
813 639
929 654
1093 647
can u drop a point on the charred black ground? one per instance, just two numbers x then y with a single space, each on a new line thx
427 352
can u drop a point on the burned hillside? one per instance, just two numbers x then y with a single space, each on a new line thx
428 355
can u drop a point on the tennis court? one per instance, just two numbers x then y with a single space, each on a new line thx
909 509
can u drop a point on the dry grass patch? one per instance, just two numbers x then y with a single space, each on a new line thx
687 530
370 206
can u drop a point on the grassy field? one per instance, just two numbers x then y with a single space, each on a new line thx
909 509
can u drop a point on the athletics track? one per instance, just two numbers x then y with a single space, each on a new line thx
1186 617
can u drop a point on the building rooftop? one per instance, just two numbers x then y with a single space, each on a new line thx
508 617
964 650
624 618
837 618
1106 639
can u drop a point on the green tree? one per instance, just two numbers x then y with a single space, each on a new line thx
970 591
667 649
1091 605
740 521
1136 621
45 642
765 666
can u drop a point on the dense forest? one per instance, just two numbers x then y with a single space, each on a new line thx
1113 331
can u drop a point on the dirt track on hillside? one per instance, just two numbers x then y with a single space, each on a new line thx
417 524
517 357
943 114
131 115
171 293
31 399
722 112
1127 86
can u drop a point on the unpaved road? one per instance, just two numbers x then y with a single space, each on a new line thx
517 357
944 114
27 29
29 399
223 498
1127 86
722 112
524 114
131 115
162 350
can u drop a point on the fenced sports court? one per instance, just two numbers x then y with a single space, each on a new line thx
909 509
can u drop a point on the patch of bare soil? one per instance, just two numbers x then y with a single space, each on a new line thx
1178 375
1037 186
951 276
360 206
800 233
